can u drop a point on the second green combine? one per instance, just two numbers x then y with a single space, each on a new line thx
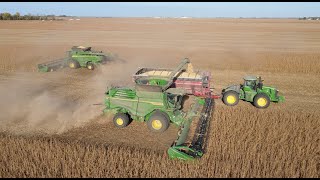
77 57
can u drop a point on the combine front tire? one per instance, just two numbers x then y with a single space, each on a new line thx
158 122
121 120
74 64
261 101
230 98
90 66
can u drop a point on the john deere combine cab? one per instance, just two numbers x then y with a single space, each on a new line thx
159 105
253 90
77 57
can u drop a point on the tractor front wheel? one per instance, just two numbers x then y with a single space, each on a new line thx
90 66
158 122
261 101
121 120
230 98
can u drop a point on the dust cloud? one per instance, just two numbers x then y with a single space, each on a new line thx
30 105
32 108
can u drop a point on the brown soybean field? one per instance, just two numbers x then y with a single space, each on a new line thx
49 126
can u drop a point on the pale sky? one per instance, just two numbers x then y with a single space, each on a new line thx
166 9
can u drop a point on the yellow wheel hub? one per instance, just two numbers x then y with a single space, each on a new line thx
262 102
156 124
231 99
72 65
119 121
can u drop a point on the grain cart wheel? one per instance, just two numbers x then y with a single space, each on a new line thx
230 98
74 64
90 66
261 101
158 122
121 120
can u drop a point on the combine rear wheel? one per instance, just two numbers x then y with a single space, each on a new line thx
90 66
261 101
158 122
231 98
121 120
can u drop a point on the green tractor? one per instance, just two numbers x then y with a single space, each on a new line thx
252 91
77 57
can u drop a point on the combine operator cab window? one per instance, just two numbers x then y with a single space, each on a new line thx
174 100
171 99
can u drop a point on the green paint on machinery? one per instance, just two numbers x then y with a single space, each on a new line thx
145 103
253 90
159 105
77 57
182 150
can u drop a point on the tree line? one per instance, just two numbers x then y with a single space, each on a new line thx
17 16
310 18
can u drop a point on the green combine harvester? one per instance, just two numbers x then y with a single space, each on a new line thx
253 90
77 57
158 106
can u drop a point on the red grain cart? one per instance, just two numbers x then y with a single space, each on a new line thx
195 83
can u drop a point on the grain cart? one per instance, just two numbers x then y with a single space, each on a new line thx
253 90
77 57
195 83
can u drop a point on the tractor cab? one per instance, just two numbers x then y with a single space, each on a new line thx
252 83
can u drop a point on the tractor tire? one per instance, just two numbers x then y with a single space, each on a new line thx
74 64
261 101
90 66
230 98
121 120
158 122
